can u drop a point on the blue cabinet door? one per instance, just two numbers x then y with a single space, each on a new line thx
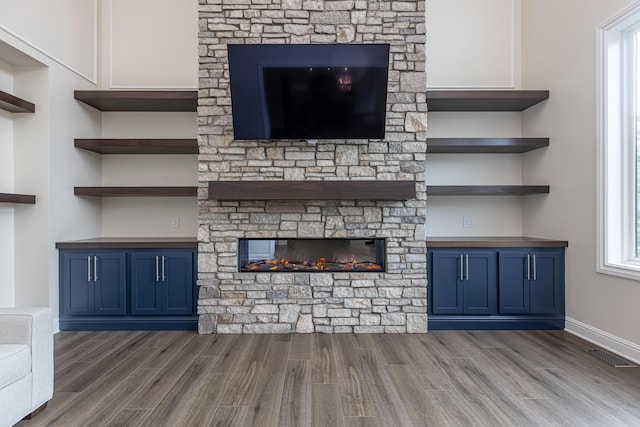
546 288
161 282
77 293
178 281
531 281
445 283
479 282
463 282
93 283
110 283
146 286
514 284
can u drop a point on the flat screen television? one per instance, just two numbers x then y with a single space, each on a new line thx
315 91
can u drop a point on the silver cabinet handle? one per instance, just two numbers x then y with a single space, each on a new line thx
89 268
528 267
535 272
467 265
163 275
95 268
157 273
461 267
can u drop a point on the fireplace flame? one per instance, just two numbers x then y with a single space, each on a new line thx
284 264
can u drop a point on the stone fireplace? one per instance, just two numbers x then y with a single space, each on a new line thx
235 299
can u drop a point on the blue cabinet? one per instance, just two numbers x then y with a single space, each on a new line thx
463 282
161 282
531 281
93 283
495 288
127 289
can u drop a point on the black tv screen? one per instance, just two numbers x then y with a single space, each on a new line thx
336 91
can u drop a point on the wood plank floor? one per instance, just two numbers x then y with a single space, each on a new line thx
442 378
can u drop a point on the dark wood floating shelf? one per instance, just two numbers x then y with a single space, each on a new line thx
136 191
138 146
130 243
484 100
13 104
139 100
486 190
312 190
494 242
485 145
27 199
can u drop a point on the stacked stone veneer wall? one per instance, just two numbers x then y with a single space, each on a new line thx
234 302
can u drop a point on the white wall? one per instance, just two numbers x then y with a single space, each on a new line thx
64 30
31 173
151 43
473 43
560 56
7 293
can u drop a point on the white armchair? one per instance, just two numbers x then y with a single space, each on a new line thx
26 362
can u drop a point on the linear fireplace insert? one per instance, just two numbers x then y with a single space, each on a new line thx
311 255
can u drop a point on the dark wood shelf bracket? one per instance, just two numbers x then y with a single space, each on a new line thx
136 191
484 100
139 100
484 145
17 198
486 190
138 146
13 104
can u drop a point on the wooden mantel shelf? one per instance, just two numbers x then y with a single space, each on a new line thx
138 146
139 100
13 104
486 190
17 198
136 191
312 190
484 100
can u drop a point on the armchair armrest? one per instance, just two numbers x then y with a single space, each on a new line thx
34 327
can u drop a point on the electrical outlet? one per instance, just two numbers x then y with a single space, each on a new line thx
175 222
466 222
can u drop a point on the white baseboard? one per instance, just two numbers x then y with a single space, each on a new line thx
56 325
617 345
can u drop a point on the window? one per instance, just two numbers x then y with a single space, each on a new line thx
619 145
